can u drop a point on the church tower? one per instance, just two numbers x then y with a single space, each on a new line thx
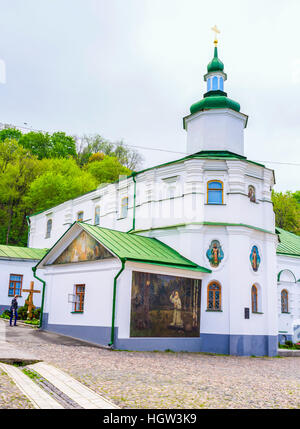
215 122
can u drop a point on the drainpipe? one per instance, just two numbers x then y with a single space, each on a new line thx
43 295
28 235
112 335
134 199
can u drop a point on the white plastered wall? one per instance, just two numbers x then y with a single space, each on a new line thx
20 267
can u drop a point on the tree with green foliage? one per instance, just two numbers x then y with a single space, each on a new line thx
39 171
296 195
43 145
61 180
108 170
10 133
287 211
130 158
18 167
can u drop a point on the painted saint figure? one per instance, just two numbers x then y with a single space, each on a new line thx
251 193
215 253
177 320
254 258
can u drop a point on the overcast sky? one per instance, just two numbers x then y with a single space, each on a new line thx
130 69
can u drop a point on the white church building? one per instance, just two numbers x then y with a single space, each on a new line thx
182 256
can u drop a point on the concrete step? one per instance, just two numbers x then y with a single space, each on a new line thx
38 397
79 393
288 353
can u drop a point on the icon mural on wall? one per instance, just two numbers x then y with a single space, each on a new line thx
164 306
251 193
254 258
215 253
83 248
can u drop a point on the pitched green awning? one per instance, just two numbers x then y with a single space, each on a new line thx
16 252
289 243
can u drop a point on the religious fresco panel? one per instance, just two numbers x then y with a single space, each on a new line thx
254 258
83 248
215 253
251 193
164 306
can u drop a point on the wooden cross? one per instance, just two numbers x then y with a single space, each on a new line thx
29 301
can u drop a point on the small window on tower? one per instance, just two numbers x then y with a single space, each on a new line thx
221 81
215 192
124 207
97 215
49 228
208 84
215 83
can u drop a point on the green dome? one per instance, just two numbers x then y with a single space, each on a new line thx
215 102
215 64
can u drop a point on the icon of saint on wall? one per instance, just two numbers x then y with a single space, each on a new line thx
176 301
215 253
251 193
254 258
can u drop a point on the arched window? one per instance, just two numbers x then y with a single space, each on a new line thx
254 299
209 84
215 83
214 296
80 216
214 192
221 83
49 228
124 207
284 301
97 215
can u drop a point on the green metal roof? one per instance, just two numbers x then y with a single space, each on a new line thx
289 243
215 102
134 247
15 252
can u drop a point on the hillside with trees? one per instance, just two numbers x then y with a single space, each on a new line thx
40 170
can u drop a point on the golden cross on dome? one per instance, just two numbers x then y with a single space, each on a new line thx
216 31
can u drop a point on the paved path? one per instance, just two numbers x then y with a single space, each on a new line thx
79 393
38 397
73 389
152 380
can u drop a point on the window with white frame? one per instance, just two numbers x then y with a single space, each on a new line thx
49 228
97 215
124 207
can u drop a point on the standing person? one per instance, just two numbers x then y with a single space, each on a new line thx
14 310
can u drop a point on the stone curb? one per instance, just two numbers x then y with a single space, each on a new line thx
20 323
37 396
288 353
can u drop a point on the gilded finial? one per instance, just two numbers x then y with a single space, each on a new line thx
216 31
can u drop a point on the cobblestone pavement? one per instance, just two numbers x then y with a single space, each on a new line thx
10 395
177 380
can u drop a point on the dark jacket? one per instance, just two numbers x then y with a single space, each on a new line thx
14 304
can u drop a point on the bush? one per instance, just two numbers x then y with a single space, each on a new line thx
36 313
5 314
22 312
